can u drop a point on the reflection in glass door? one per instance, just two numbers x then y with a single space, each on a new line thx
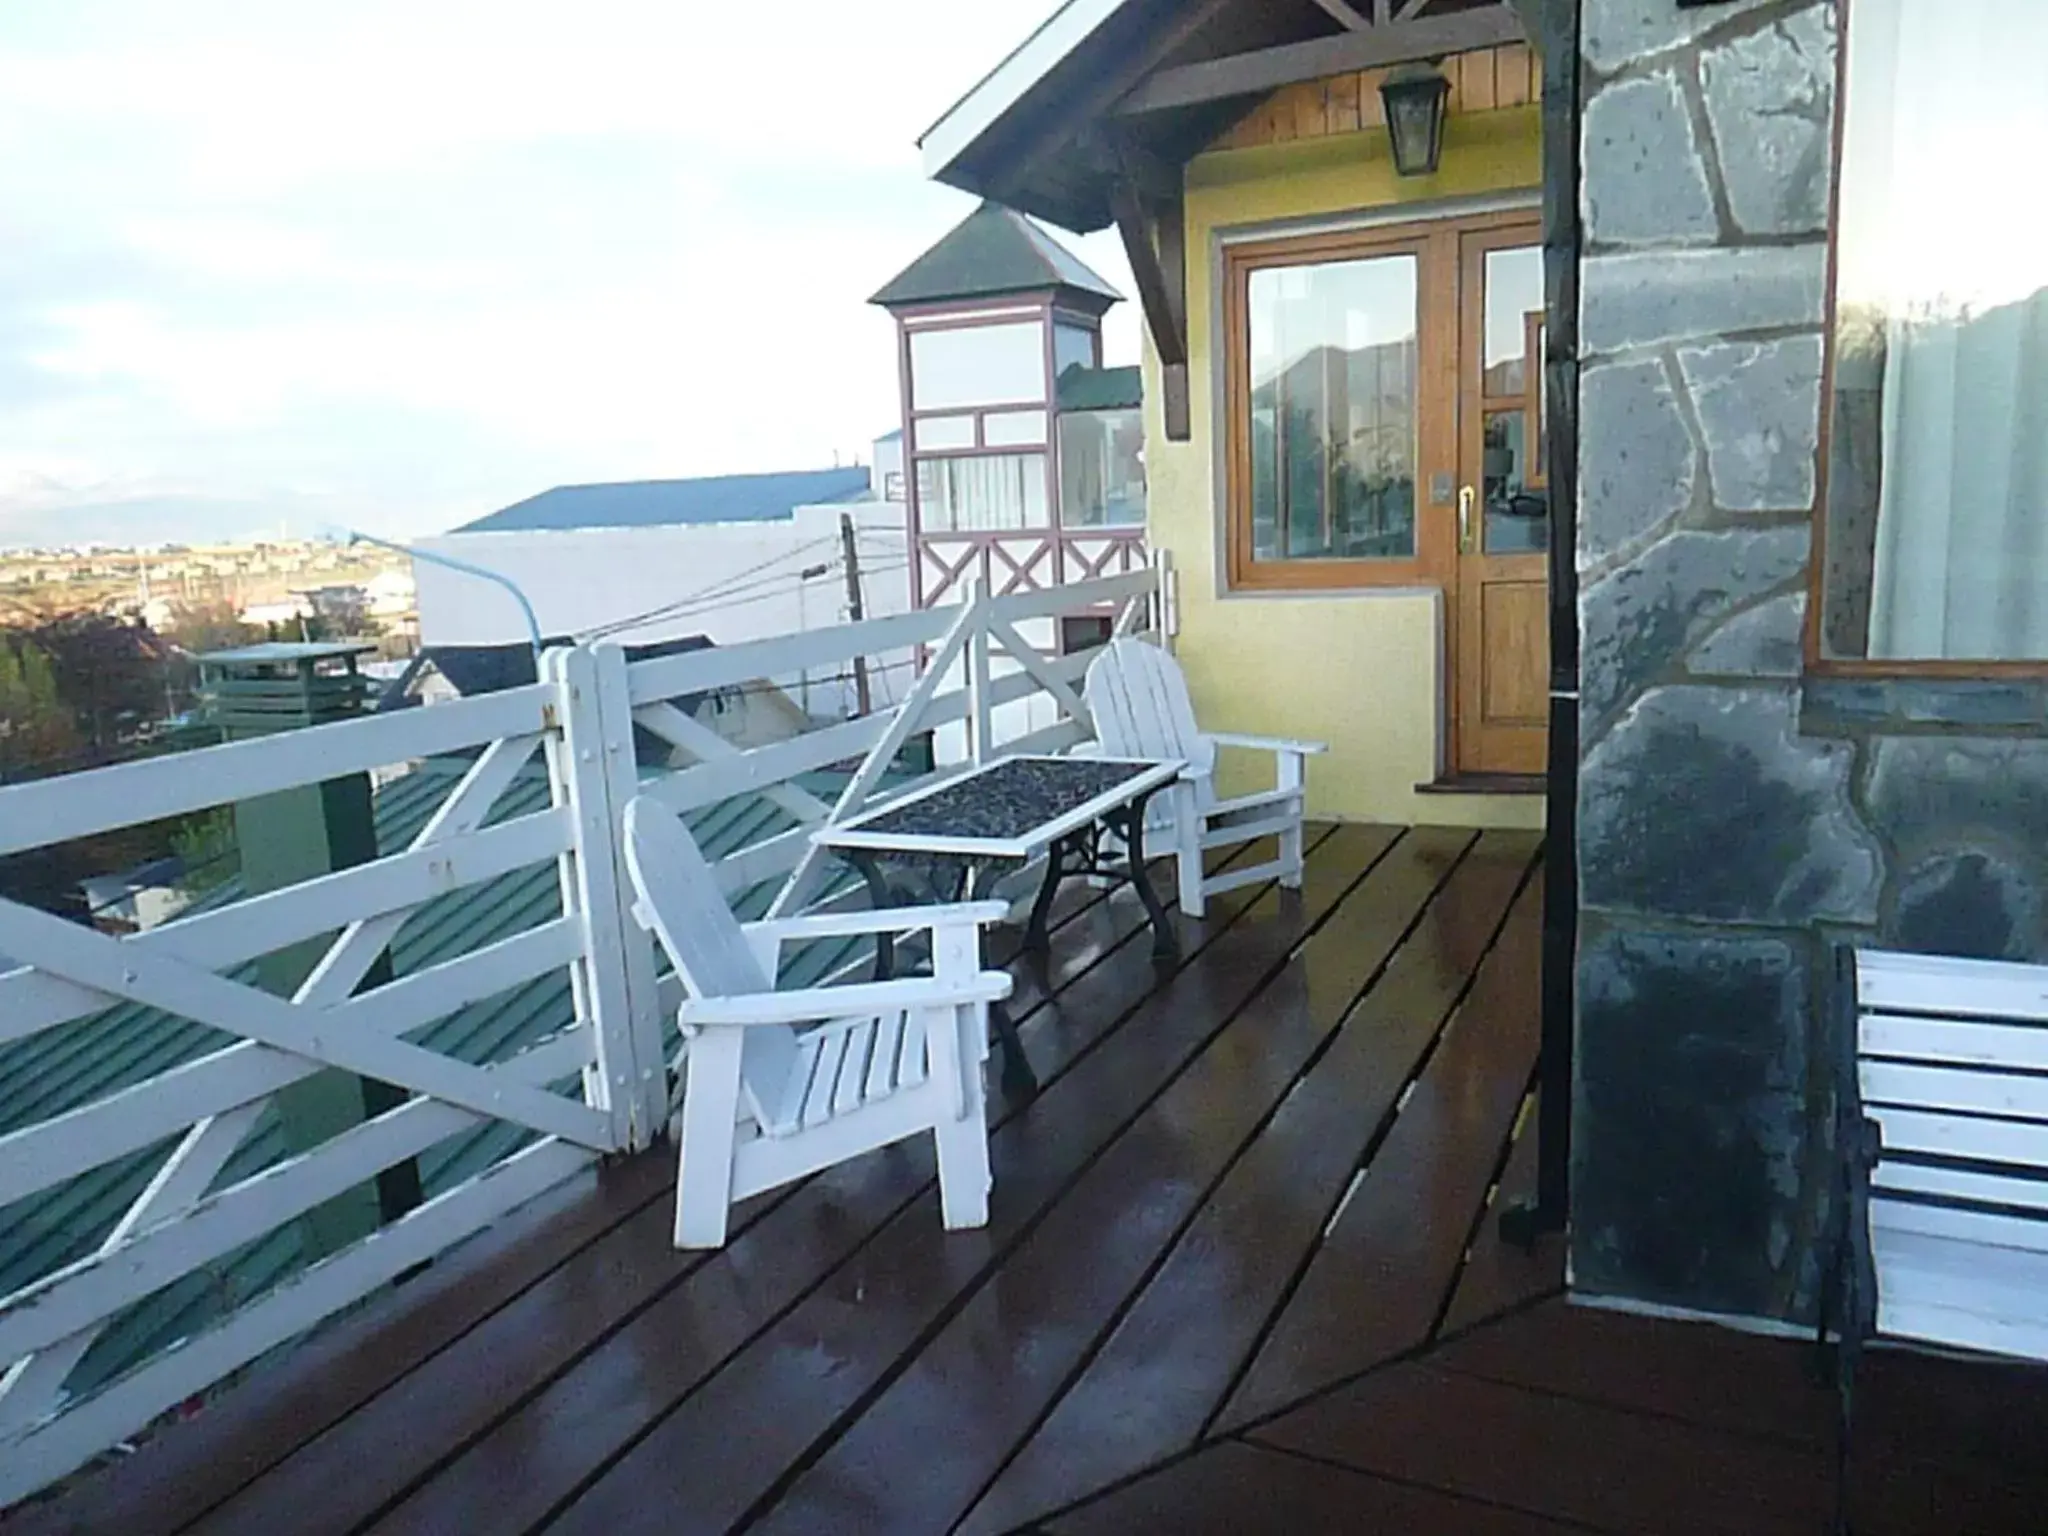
1502 666
1511 485
1332 374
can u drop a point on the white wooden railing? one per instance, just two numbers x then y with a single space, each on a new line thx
600 1085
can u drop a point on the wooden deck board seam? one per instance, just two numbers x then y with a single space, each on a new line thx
1635 1410
1487 1201
1457 1495
1374 1143
1244 1433
1244 1147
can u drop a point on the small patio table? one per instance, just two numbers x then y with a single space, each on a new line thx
966 832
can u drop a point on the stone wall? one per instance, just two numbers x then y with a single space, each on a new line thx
1735 817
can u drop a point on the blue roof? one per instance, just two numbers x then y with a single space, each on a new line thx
665 503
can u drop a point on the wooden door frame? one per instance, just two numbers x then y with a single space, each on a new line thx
1435 242
1442 389
1473 242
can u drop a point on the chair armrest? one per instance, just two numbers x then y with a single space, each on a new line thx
1267 743
867 997
837 925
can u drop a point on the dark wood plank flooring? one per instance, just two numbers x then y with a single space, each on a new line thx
1241 1273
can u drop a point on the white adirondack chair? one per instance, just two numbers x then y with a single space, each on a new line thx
782 1084
1140 705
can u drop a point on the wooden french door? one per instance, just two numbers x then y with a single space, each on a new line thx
1383 398
1500 653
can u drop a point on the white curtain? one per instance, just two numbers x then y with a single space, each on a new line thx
1943 251
990 493
1962 554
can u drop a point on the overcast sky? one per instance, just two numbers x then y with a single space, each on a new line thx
395 263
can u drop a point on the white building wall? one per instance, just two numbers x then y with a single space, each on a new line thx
732 581
886 470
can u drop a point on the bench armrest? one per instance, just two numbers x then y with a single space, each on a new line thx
1268 743
852 924
868 998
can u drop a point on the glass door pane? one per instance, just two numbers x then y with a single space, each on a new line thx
1517 508
1332 351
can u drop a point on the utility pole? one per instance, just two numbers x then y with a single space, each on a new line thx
854 610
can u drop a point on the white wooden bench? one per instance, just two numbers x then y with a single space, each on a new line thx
1952 1070
1940 1218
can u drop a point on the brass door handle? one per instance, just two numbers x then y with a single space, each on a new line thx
1465 499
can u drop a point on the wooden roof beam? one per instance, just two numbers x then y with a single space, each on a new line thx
1268 69
1057 130
1156 244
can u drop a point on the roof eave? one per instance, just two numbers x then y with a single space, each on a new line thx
949 139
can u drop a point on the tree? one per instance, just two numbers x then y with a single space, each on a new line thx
112 673
77 691
203 627
38 733
206 845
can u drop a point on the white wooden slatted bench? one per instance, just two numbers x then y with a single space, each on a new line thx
1940 1217
1952 1069
1941 1213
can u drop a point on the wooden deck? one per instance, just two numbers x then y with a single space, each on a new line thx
1239 1275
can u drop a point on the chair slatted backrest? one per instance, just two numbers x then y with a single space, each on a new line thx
1140 704
1952 1062
691 921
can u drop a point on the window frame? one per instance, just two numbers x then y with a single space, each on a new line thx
1435 257
1815 660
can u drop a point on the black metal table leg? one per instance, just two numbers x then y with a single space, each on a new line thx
1165 942
1019 1081
1037 938
879 896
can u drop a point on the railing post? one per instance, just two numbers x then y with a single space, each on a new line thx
591 764
978 716
1166 604
643 1013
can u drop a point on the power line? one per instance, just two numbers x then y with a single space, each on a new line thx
714 589
751 592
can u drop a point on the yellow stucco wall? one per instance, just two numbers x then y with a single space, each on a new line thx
1359 670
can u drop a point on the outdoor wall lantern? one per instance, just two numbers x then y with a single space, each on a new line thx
1415 96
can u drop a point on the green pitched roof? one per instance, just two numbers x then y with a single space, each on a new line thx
77 1063
992 252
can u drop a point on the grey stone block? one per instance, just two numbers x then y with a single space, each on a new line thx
1616 32
1933 795
1759 410
1765 641
1638 620
1644 183
1707 804
1693 1126
1770 101
1637 460
1649 298
1979 900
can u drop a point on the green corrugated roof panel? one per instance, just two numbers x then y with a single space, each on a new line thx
76 1064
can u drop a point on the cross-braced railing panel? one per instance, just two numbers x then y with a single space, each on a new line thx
193 1122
